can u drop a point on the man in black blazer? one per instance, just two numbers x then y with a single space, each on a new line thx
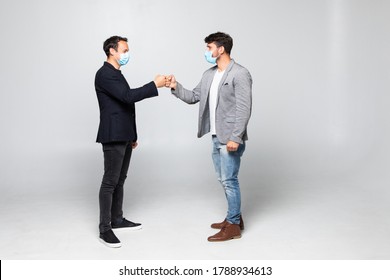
117 134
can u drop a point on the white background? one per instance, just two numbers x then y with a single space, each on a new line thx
314 178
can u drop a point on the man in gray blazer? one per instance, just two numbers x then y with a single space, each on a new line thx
225 102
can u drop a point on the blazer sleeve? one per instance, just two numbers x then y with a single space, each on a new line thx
243 93
188 96
118 89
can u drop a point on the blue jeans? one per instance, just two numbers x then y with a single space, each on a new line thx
227 166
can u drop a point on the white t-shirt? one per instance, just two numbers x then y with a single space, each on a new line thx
213 99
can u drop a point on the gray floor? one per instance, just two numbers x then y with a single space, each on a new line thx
320 218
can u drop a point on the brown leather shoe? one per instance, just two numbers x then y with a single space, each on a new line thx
221 225
229 231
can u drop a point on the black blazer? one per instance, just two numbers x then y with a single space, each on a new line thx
116 103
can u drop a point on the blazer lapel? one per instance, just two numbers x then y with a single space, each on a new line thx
225 75
209 81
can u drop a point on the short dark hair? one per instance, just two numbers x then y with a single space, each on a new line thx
112 42
220 39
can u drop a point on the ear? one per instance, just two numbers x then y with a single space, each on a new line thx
221 50
112 51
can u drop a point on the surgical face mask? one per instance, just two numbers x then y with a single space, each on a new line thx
124 58
209 57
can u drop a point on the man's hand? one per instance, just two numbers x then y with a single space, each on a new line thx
159 80
232 146
170 82
134 145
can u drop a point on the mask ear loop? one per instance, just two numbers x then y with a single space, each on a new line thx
219 54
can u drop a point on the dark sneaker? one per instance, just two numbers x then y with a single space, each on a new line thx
127 225
109 239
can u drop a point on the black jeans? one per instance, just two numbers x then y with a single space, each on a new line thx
116 164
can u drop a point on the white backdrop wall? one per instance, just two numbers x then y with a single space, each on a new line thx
321 72
320 92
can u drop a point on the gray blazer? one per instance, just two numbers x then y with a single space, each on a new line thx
234 103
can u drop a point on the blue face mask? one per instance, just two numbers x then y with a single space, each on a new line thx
209 57
124 58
